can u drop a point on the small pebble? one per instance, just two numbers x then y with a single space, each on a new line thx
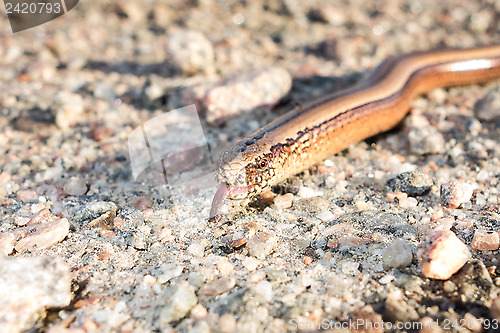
413 183
68 109
7 242
43 236
398 254
262 244
485 240
196 249
442 254
218 286
225 267
326 216
169 271
191 51
449 287
386 279
75 186
488 108
408 203
251 263
263 291
454 194
307 192
176 302
199 312
143 202
247 91
256 277
283 201
227 323
27 195
425 140
28 286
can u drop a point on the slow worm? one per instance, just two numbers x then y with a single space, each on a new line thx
303 137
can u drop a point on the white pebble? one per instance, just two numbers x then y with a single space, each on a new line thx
398 254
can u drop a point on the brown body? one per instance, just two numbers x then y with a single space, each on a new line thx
302 138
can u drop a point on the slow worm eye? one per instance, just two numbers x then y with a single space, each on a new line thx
262 164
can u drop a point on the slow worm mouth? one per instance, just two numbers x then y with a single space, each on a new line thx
225 191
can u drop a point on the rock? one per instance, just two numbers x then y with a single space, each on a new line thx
413 183
143 202
262 244
174 303
283 201
326 216
191 51
68 109
168 272
75 186
244 92
425 140
488 108
196 249
7 242
227 323
93 210
27 195
43 235
398 254
251 263
313 205
28 286
442 254
140 237
218 286
455 193
485 240
263 291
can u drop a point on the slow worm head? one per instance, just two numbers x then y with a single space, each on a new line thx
302 138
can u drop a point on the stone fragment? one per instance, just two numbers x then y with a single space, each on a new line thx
413 183
262 244
488 108
244 92
27 195
7 242
169 271
196 249
28 286
174 303
283 201
398 254
75 186
442 254
218 286
68 109
425 140
191 51
454 194
485 240
93 210
43 235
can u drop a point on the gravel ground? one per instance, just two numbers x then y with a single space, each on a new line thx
370 240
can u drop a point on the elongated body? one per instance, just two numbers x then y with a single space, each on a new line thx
302 138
